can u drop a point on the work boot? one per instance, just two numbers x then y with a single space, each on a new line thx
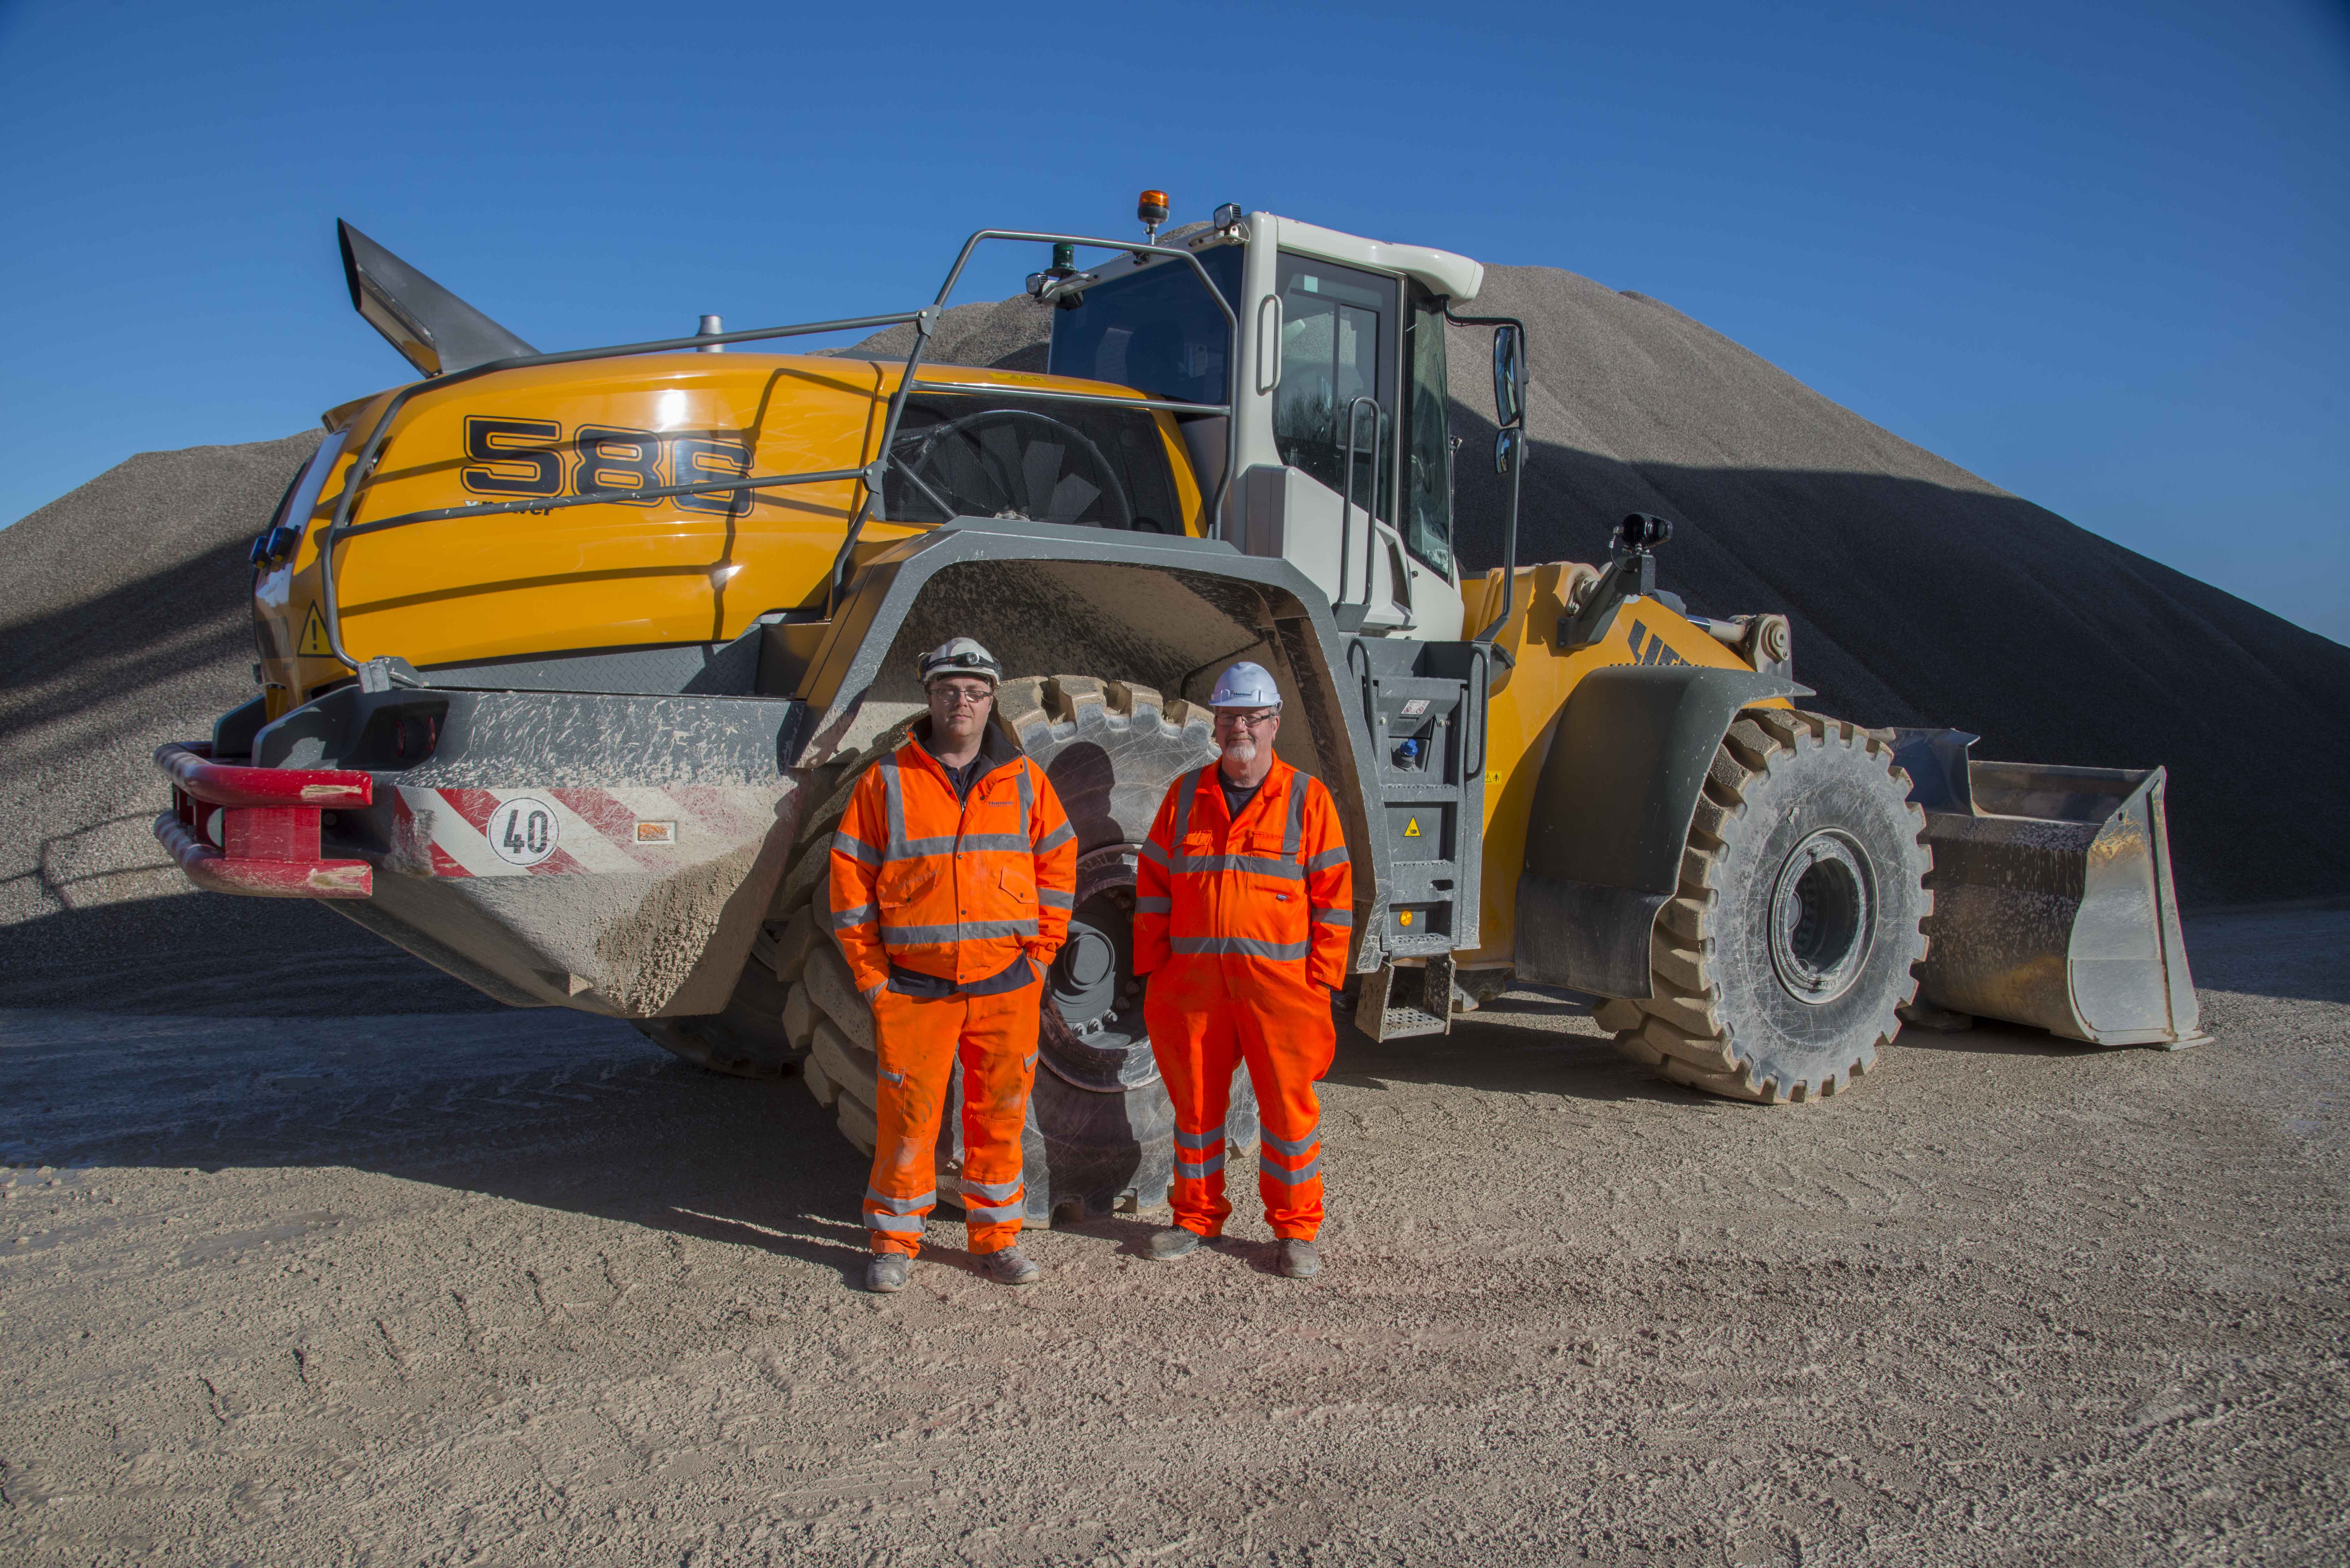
1009 1268
1175 1242
886 1274
1298 1259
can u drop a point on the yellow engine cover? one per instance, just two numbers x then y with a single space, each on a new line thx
688 568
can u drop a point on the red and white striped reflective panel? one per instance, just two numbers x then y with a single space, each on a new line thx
527 832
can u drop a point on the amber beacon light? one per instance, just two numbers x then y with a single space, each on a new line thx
1151 208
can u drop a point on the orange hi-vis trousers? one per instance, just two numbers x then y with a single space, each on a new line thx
919 1040
1206 1015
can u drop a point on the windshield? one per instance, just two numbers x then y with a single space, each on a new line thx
1154 330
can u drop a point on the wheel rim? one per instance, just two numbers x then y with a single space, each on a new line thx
1822 914
1093 1032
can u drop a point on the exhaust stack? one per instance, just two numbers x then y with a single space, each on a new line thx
433 328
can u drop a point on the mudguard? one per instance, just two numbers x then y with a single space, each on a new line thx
1611 816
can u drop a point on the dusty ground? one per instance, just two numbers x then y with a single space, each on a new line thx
516 1288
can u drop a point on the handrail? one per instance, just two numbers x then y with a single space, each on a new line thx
1347 506
340 527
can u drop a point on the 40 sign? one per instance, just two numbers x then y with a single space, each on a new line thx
524 831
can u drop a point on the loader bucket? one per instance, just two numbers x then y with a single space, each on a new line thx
2053 902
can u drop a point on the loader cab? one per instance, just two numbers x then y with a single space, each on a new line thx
1345 461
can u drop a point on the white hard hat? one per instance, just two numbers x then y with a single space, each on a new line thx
1245 685
959 656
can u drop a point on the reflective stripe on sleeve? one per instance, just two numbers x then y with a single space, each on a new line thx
855 848
1293 1146
863 915
1199 1140
1239 947
1055 839
1334 855
994 1192
1150 851
1285 1176
1334 917
1053 900
1154 905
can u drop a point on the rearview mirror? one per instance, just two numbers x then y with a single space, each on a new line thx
1506 447
1509 375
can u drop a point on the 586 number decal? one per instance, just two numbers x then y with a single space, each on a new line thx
514 458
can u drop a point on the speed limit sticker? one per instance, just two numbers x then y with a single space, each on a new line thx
524 830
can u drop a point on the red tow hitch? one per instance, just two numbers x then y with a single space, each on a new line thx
255 830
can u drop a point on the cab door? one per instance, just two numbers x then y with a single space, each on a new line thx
1337 413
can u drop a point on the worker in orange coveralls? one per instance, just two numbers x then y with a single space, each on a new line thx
1244 910
953 873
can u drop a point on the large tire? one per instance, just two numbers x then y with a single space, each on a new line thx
1780 964
1101 1131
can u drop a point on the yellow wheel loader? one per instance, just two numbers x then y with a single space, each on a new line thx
568 663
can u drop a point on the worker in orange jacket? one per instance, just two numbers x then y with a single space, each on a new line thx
953 873
1244 912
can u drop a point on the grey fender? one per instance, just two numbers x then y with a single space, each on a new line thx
1167 612
1611 816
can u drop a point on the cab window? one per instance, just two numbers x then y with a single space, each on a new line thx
1154 330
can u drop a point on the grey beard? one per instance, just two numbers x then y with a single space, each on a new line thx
1241 748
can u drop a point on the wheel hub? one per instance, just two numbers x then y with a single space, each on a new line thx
1822 914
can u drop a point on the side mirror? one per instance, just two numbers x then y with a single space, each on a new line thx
1506 447
1510 375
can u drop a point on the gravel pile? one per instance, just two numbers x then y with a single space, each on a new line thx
123 624
1919 594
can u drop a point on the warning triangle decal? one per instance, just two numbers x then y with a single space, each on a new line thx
314 637
1411 827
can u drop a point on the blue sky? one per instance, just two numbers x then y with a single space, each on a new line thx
2094 253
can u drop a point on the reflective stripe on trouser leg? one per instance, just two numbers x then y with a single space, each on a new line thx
1287 1040
998 1050
917 1049
1197 1052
